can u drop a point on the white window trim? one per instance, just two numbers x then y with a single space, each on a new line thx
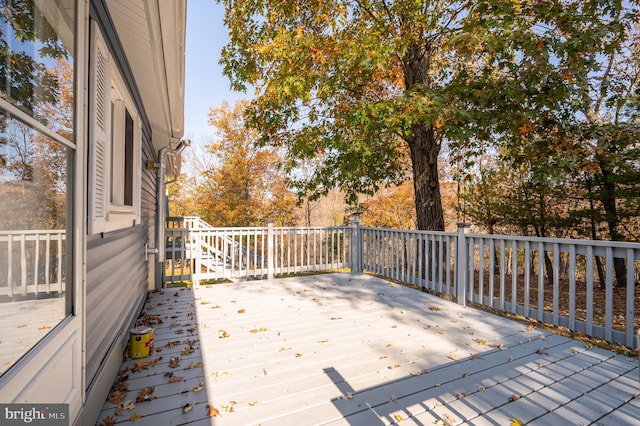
105 214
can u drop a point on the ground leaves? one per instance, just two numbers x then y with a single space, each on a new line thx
145 394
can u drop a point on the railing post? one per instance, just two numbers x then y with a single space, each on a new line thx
270 250
462 264
356 243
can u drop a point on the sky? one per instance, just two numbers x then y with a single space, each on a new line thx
205 86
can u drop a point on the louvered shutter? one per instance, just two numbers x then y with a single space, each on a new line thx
137 169
99 132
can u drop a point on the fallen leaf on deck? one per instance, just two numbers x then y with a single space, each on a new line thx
258 330
415 373
144 364
145 394
253 404
196 364
204 302
398 417
44 327
335 318
229 408
116 397
542 352
175 379
212 411
174 362
187 407
241 311
128 405
480 341
108 421
480 388
516 422
475 356
434 308
118 412
453 357
21 325
284 349
216 307
323 341
298 355
197 388
513 397
223 334
393 398
187 351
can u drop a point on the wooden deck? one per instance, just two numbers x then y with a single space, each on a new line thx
345 349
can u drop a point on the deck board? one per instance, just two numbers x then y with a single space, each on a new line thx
346 349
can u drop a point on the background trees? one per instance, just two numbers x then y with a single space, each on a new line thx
364 84
240 183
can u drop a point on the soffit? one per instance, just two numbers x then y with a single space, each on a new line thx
152 33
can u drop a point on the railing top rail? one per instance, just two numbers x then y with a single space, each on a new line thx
310 228
34 232
565 241
412 231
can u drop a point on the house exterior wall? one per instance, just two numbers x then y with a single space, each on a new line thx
109 272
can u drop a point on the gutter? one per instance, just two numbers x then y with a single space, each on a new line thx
161 193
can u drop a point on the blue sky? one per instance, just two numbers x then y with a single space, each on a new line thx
205 86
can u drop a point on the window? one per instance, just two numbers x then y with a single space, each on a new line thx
37 148
115 146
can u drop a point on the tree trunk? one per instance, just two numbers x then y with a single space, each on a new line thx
423 143
608 200
424 156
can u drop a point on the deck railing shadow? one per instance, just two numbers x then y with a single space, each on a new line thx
495 395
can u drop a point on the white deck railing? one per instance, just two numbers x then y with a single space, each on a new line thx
197 252
564 282
31 262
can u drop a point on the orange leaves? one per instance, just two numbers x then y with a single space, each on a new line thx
526 128
212 411
258 330
223 334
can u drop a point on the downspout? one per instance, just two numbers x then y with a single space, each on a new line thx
161 186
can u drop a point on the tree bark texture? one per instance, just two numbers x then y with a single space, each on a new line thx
423 144
424 157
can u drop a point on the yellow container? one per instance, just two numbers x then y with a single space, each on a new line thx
141 342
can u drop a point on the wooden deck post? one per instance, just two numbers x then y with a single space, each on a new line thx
462 264
270 250
355 245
